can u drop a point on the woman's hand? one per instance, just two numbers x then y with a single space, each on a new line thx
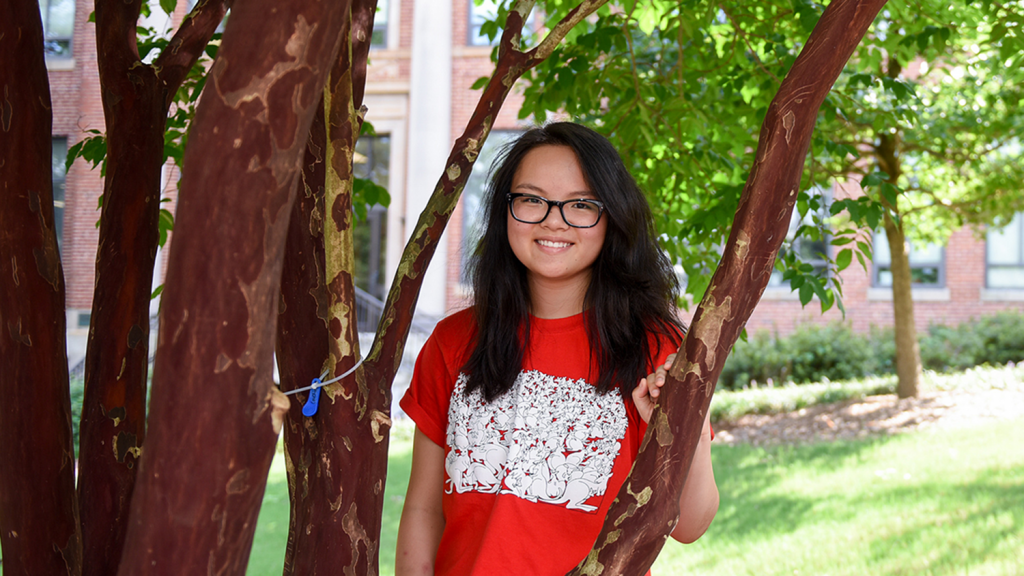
698 501
646 393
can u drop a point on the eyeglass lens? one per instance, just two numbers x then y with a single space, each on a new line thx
533 209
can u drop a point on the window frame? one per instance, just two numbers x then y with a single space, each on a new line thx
1018 220
54 39
876 268
821 260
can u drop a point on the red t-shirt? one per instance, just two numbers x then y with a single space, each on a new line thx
529 476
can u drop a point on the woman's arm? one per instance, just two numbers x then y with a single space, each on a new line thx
419 532
698 502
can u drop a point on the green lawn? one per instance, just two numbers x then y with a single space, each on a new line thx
928 503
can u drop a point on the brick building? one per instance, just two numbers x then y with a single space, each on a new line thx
426 55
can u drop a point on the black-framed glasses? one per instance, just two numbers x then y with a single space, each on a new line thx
578 212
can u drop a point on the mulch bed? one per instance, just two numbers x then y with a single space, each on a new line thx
874 416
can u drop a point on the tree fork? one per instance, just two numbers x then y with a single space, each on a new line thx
136 99
215 414
39 524
645 510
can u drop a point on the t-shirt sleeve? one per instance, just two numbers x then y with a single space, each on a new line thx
429 394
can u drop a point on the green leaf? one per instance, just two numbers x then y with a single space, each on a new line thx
168 6
873 179
865 248
806 293
159 290
480 83
844 258
890 193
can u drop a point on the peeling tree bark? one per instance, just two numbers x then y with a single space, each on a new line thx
645 511
302 349
39 528
136 99
215 413
337 460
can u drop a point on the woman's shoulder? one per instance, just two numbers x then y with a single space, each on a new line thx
457 327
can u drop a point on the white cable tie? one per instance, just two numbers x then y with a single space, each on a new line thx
318 384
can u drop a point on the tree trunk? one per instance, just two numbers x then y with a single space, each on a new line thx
136 98
215 414
39 527
908 354
646 510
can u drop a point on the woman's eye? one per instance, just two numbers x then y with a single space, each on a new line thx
530 200
583 206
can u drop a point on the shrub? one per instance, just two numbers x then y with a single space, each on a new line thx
812 353
944 348
830 352
761 357
1002 338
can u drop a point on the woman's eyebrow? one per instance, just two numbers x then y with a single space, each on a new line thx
585 194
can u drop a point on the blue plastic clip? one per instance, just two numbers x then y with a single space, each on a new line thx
313 402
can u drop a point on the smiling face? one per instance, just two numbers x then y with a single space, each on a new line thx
557 257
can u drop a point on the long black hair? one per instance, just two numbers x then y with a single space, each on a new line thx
632 290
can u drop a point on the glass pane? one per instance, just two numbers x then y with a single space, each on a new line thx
372 162
927 254
1003 245
928 275
478 14
60 22
881 249
812 251
884 277
1006 277
57 159
379 35
473 195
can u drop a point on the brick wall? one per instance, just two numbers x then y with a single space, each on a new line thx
74 92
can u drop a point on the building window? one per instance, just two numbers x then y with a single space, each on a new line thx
59 156
58 26
483 11
480 11
379 36
812 247
473 196
927 264
372 162
1004 255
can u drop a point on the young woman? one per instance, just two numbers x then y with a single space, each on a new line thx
531 405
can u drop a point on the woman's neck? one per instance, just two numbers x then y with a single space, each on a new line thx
551 300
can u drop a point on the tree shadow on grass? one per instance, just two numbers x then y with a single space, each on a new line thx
747 478
979 522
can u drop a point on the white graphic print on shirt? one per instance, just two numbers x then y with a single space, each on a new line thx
547 439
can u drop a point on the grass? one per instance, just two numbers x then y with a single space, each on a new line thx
931 503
